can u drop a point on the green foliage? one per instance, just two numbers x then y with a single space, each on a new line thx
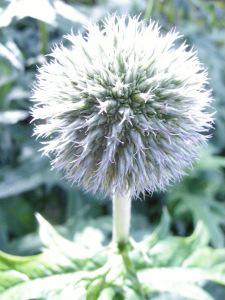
53 12
183 266
22 45
196 197
27 185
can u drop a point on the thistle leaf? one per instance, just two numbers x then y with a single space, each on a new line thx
178 266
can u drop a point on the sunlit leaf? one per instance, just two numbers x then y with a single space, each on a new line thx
48 11
10 52
66 269
13 116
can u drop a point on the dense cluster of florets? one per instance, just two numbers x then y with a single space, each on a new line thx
122 107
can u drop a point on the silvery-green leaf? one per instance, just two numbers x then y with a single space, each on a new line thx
176 281
48 11
11 52
13 116
57 271
179 266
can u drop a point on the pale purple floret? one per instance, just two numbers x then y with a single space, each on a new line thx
122 107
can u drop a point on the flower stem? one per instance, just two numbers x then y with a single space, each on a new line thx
121 217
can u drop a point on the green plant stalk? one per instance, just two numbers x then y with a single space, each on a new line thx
43 37
121 217
149 9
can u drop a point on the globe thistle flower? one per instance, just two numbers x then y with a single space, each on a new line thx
124 108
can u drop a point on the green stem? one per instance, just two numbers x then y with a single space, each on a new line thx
43 37
149 9
121 217
130 268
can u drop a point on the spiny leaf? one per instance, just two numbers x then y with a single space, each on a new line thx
176 265
39 276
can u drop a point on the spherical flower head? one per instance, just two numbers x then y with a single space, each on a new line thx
123 107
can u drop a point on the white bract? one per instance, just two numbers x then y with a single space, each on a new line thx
123 107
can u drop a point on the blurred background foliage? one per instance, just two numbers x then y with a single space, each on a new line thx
28 30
